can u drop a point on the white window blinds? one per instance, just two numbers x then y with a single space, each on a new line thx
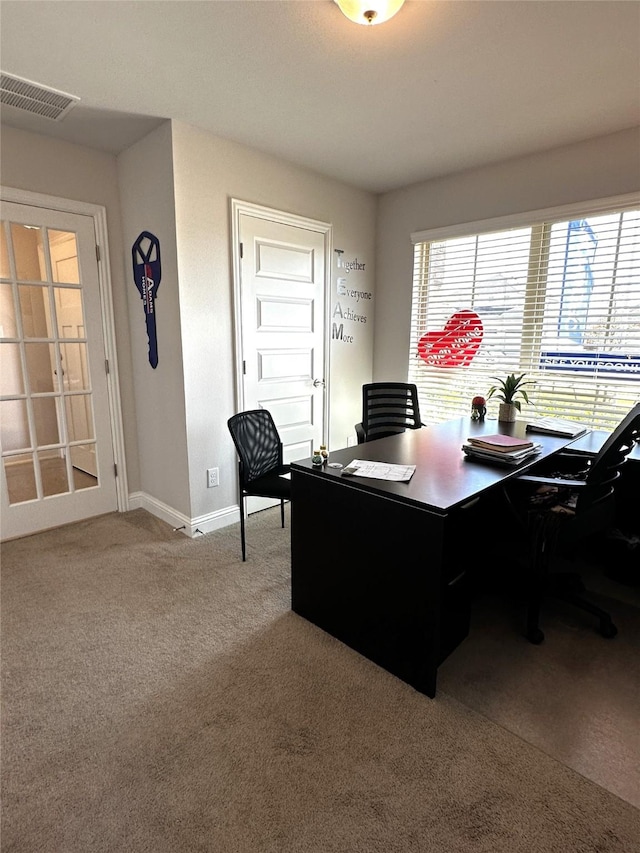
557 298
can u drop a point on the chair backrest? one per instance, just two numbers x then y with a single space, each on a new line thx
389 408
257 442
605 468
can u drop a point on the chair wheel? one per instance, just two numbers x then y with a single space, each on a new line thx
535 636
608 629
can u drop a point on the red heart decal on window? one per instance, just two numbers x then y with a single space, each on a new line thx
456 344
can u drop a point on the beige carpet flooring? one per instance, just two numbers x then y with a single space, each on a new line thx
576 696
159 695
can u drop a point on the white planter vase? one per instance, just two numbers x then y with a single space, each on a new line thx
507 412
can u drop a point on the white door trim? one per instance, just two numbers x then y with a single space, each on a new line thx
99 216
239 208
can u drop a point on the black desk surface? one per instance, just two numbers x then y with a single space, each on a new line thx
444 478
593 441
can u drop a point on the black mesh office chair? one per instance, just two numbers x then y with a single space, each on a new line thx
260 466
564 507
388 408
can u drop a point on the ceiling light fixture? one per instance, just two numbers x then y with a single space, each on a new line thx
369 12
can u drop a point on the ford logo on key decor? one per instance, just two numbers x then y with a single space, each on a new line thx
456 344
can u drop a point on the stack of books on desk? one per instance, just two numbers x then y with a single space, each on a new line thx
500 449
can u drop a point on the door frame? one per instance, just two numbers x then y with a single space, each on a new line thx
238 209
99 215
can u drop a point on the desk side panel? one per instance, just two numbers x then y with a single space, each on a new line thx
367 569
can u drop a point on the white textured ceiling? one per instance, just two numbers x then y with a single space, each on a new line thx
444 86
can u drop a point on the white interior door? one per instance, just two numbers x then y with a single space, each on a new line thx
281 297
56 440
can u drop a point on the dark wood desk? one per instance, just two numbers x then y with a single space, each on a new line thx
382 566
629 484
591 443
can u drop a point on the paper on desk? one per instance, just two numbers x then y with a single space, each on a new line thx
382 470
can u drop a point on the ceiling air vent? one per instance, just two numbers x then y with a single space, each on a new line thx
34 98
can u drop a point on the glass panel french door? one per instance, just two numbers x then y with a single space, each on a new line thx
55 431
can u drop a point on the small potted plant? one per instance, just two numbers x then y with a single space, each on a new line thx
506 391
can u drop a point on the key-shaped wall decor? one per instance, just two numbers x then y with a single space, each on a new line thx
146 274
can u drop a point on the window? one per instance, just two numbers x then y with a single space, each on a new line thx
554 294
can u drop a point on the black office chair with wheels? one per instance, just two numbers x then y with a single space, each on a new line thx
260 465
563 508
388 408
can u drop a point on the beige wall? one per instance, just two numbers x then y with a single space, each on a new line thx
599 168
177 183
208 173
145 175
51 167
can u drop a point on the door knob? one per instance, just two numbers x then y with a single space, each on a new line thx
317 382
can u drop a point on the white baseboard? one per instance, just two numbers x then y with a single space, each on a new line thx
189 526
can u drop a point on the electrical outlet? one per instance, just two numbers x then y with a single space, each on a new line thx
213 477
